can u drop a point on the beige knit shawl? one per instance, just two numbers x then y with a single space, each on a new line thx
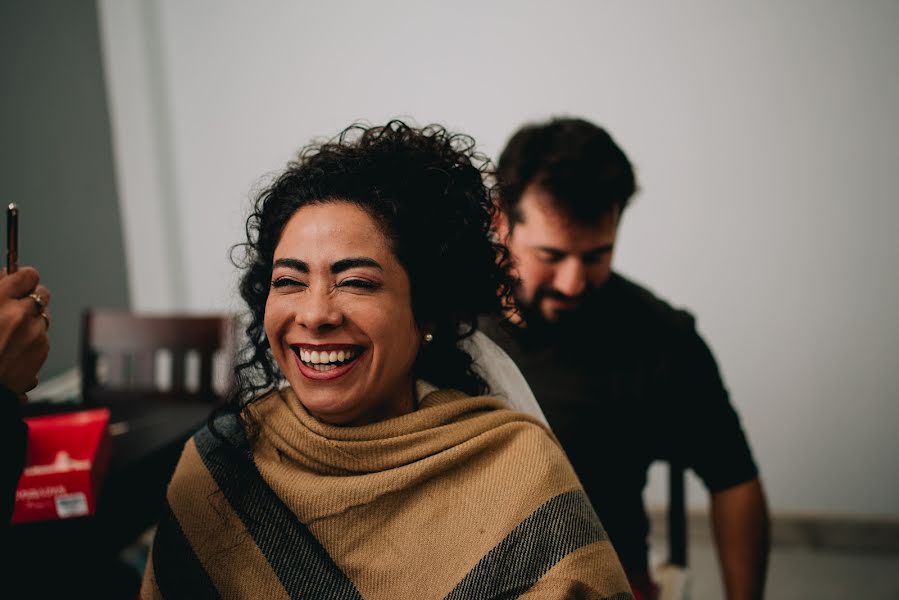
461 498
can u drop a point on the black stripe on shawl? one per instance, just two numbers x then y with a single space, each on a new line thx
297 558
560 526
177 569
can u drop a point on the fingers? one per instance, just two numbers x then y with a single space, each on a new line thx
44 294
25 318
20 283
24 321
41 298
37 302
24 350
25 355
36 331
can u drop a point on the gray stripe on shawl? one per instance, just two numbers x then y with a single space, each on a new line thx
297 558
560 526
177 569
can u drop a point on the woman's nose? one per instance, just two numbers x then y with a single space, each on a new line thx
317 310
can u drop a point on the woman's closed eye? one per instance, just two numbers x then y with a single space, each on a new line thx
360 284
286 282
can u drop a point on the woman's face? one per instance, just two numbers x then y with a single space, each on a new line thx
339 316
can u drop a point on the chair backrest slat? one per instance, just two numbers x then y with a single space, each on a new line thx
178 370
206 372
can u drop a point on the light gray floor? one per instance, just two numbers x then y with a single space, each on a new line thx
796 573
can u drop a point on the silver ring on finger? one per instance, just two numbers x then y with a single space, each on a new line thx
38 302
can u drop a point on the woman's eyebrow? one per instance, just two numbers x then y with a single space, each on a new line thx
359 261
292 263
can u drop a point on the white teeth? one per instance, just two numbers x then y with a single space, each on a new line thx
323 358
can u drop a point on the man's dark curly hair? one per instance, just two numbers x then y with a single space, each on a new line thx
578 163
425 187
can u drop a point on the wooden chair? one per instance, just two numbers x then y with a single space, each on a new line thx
672 576
171 357
677 515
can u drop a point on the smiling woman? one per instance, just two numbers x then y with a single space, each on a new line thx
360 456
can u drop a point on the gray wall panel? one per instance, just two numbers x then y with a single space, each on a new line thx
56 161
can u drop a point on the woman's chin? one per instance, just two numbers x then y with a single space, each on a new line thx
331 410
345 412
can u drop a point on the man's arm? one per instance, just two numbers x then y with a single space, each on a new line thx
742 536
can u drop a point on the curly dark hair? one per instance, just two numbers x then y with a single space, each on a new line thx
427 190
578 163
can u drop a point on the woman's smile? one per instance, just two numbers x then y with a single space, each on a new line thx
326 361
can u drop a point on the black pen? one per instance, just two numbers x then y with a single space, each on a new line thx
12 237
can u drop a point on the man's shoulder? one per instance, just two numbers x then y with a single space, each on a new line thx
499 330
639 307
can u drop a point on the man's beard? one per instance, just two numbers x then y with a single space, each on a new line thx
533 315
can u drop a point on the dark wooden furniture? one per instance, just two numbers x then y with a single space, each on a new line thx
166 357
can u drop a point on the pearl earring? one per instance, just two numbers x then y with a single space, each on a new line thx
428 337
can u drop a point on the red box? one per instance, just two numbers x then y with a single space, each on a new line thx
68 455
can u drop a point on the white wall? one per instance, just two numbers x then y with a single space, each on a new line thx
765 135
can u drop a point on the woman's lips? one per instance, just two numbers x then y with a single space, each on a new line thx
327 361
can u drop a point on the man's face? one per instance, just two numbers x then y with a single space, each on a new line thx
558 261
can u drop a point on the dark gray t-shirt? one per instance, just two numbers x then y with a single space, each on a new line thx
626 382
